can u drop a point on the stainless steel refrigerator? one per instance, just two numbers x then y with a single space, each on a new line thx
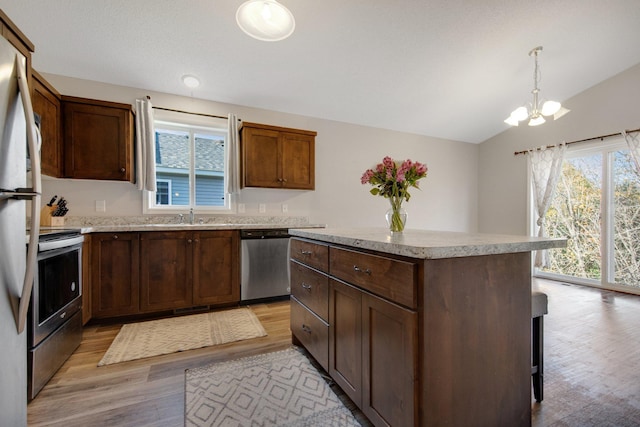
19 194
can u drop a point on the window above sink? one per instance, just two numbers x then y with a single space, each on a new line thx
191 168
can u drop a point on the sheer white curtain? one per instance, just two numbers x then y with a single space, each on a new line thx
546 166
233 155
633 141
145 146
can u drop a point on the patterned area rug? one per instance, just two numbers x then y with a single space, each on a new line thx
281 388
165 336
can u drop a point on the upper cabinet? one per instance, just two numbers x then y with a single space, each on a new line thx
98 139
46 103
276 157
12 33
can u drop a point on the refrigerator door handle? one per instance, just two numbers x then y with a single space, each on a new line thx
17 194
34 154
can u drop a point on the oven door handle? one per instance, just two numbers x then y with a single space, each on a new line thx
60 243
34 154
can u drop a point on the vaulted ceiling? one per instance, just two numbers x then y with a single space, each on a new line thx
451 69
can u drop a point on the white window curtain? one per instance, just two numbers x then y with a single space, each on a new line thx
545 165
145 146
633 141
233 154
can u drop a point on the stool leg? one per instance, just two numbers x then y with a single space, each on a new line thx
537 334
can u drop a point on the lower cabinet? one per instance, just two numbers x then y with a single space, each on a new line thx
184 269
165 270
373 354
135 273
115 266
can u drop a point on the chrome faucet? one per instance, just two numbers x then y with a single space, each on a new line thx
191 216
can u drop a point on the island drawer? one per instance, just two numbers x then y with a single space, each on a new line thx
313 254
311 288
393 279
311 331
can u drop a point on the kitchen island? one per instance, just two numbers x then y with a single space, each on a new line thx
422 328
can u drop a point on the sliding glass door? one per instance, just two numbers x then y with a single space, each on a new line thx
597 206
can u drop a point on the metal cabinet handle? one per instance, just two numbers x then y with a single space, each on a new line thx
188 240
305 286
306 329
115 236
122 170
303 252
359 270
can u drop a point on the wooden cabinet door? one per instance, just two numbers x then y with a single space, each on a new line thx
260 158
389 362
277 157
216 272
297 161
46 103
98 140
165 270
345 339
115 286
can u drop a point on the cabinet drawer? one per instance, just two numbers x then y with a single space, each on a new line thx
311 288
392 279
311 331
315 255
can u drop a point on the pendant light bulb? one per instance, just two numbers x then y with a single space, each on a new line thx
549 108
536 121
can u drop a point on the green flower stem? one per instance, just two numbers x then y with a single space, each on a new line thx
396 220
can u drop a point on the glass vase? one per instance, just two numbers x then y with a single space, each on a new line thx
396 218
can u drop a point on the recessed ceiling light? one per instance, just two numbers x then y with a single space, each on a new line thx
265 20
190 81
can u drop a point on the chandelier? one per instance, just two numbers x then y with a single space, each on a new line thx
536 110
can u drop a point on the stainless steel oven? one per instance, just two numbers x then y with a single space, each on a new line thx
54 328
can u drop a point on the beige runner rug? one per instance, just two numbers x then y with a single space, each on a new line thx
280 389
165 336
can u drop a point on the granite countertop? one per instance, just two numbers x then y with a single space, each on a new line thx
186 227
99 224
426 244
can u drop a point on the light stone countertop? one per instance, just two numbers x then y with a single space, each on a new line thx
97 224
185 227
426 244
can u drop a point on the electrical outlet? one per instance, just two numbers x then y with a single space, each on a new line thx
285 208
241 208
263 208
101 206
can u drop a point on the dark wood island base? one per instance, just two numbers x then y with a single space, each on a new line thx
439 338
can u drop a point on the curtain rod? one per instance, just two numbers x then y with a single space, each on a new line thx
601 137
188 112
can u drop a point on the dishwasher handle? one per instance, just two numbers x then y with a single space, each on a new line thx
264 234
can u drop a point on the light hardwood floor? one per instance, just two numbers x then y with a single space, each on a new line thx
146 392
592 368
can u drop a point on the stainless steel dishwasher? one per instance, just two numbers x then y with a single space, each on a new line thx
264 264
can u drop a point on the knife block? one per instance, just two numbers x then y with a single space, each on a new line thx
46 220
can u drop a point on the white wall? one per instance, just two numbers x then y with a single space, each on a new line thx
609 107
447 200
